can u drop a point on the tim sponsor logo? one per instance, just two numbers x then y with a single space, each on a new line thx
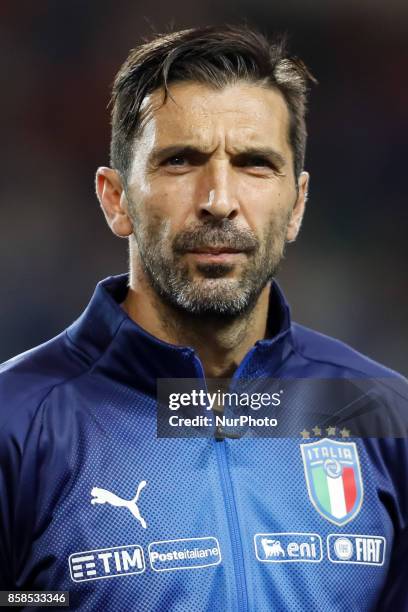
355 548
106 563
288 547
186 553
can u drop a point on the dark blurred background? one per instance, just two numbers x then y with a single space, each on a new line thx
347 274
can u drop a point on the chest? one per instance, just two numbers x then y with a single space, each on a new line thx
184 523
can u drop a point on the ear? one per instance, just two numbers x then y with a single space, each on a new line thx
299 208
113 201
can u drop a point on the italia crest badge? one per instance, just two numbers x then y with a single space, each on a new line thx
333 478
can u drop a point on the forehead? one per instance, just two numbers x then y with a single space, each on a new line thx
241 113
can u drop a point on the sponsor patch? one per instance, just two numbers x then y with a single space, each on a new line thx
333 478
288 547
106 563
355 548
187 553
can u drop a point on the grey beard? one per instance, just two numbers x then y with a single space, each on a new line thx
212 295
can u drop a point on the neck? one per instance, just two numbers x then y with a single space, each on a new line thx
221 343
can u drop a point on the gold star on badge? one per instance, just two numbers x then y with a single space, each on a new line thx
305 434
317 431
345 433
331 431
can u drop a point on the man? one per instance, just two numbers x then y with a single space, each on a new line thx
207 183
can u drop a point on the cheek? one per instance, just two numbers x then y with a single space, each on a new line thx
271 226
158 224
261 203
173 203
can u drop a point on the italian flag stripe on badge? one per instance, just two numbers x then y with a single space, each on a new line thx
336 495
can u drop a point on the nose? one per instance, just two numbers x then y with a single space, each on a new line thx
217 194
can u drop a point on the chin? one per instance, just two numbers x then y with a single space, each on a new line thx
216 298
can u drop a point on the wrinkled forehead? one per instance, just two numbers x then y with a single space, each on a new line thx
197 112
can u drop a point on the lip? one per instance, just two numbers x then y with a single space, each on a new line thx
215 251
213 255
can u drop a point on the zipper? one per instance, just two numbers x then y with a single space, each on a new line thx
233 527
231 510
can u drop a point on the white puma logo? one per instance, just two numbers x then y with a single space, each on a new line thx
102 496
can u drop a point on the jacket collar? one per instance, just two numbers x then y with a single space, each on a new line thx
119 348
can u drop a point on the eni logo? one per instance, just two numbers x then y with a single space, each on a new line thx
102 496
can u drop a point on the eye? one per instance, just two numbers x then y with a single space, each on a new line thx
254 161
176 160
257 162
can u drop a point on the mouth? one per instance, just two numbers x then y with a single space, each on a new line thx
215 254
214 250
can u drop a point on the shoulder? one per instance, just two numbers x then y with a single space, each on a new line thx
27 379
319 349
370 396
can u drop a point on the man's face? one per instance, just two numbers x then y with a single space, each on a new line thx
211 192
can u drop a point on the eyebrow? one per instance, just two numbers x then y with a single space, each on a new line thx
159 154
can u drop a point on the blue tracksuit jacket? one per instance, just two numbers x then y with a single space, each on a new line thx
92 502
